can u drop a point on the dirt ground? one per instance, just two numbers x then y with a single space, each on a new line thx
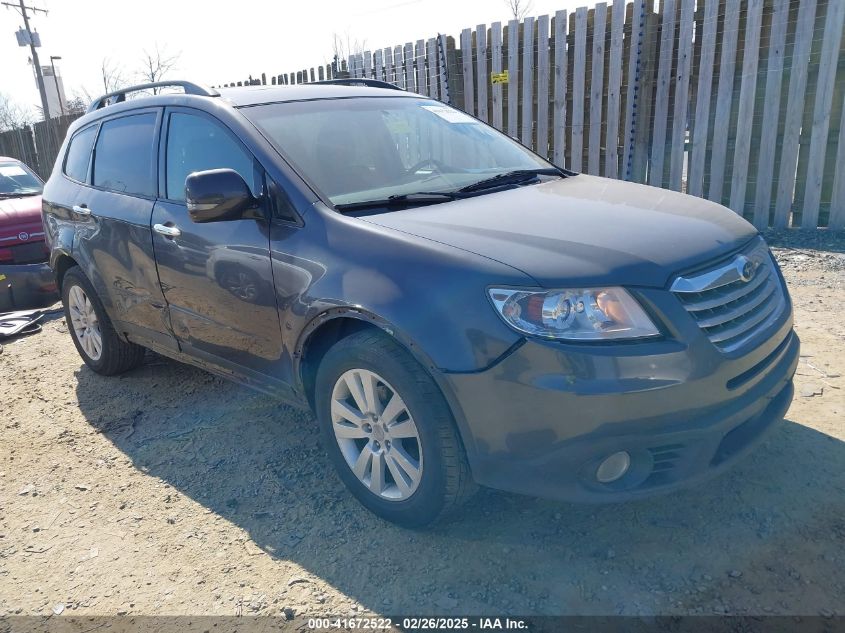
169 491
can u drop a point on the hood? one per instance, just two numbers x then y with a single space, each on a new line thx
19 211
582 230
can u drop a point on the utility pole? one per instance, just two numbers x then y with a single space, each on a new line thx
23 9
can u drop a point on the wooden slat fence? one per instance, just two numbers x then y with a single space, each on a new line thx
20 144
737 101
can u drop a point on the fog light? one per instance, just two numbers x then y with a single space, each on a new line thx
613 467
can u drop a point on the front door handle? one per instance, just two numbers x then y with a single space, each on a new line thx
78 210
167 231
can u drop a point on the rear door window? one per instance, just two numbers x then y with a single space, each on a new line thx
196 143
79 154
123 157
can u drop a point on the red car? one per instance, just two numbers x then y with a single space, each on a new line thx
26 280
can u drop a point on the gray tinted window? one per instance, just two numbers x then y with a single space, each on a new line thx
123 158
195 143
79 154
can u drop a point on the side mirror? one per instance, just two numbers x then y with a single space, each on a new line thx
217 195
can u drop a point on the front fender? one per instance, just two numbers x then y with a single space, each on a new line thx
432 296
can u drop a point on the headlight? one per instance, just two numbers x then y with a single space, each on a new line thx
580 314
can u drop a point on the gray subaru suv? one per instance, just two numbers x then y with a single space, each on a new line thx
454 308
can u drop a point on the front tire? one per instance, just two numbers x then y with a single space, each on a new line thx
92 331
389 431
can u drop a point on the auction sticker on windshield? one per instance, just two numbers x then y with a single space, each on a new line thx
12 170
449 114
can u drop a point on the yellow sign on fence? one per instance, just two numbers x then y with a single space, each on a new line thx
499 78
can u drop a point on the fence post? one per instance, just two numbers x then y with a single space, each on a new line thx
378 67
661 99
614 87
596 90
387 56
579 70
431 70
559 112
408 65
513 78
821 113
701 132
541 141
528 82
496 68
724 98
634 76
682 80
444 72
419 54
771 112
794 111
398 65
747 91
482 78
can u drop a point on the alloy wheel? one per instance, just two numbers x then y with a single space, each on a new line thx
376 434
86 325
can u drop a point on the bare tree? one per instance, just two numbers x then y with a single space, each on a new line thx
77 105
344 46
519 8
155 65
81 93
113 75
12 114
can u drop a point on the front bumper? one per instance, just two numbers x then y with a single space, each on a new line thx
543 418
24 286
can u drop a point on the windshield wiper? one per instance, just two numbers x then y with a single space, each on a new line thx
515 177
403 200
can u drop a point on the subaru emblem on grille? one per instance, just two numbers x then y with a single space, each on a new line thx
736 300
745 268
23 236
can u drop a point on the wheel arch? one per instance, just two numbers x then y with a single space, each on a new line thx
334 324
61 264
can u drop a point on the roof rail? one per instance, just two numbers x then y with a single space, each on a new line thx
120 95
360 81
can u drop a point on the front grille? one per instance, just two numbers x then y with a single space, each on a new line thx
736 299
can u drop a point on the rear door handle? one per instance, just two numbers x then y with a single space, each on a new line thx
167 231
78 210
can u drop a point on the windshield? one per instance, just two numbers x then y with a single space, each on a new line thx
361 149
17 180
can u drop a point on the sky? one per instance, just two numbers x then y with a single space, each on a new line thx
219 42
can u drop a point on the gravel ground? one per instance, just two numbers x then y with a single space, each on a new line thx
170 491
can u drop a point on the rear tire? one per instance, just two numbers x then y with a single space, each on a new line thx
414 469
96 340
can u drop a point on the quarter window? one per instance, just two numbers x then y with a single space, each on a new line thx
79 154
195 143
123 158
